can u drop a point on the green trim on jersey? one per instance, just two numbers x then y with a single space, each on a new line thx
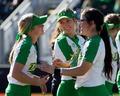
74 59
118 81
75 39
65 47
118 35
24 50
92 48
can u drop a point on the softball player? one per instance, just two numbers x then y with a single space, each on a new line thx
95 59
96 56
23 57
66 45
117 39
112 21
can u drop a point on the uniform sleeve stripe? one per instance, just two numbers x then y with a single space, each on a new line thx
92 50
24 52
65 48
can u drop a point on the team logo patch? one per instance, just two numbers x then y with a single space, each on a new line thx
32 67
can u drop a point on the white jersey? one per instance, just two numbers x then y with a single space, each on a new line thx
24 53
65 47
114 61
117 40
93 52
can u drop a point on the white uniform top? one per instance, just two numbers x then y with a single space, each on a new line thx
117 39
65 47
93 52
114 61
24 53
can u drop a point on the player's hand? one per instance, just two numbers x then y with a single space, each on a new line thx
43 80
60 64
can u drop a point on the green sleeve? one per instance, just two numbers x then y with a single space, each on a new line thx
24 52
91 50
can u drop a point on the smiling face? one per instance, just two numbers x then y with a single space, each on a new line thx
67 25
91 22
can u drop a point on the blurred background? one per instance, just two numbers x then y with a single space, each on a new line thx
12 10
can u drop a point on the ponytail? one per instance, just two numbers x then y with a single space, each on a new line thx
108 55
92 14
18 38
12 52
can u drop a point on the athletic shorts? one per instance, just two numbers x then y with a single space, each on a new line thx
66 88
17 90
109 87
93 91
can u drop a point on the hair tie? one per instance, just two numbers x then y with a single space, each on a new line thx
112 25
18 36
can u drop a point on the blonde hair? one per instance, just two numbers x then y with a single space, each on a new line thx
24 21
55 34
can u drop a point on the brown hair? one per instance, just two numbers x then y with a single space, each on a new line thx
112 18
92 14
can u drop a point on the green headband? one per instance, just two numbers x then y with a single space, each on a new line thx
111 25
34 22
